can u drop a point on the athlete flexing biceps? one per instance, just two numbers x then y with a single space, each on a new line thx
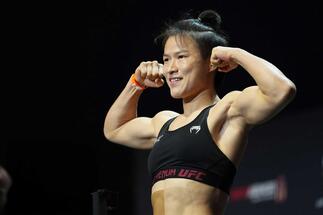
195 154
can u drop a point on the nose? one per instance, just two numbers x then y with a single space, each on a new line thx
170 67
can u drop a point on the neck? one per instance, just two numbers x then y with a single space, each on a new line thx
203 99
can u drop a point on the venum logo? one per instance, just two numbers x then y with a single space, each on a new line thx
195 129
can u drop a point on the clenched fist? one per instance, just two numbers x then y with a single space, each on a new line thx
221 59
150 74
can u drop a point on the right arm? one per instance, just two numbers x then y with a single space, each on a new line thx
122 125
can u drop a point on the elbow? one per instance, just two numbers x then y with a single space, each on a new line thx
111 135
108 130
291 91
107 134
288 92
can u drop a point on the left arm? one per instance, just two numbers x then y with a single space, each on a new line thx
255 104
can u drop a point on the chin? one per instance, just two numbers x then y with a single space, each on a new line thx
176 95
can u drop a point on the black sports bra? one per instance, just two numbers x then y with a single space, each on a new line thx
190 152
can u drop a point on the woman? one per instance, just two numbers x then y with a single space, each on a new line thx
195 154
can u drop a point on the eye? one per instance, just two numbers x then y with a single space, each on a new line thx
165 59
181 56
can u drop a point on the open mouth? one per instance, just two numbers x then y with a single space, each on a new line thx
174 80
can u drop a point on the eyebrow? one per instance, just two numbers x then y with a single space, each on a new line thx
176 53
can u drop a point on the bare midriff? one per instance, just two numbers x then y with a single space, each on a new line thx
177 196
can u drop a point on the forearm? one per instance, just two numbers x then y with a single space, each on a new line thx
123 109
270 80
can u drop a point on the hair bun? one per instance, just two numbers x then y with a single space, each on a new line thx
210 18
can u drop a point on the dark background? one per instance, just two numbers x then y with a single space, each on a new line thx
69 61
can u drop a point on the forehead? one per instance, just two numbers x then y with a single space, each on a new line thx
180 43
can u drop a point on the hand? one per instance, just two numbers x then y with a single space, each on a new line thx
150 74
221 59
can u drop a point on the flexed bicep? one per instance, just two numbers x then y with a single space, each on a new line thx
136 133
255 107
140 132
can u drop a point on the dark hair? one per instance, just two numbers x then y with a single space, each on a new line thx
205 31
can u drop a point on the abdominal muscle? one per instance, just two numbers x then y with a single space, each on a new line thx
177 196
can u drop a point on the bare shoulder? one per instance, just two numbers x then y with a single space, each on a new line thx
230 99
224 112
165 114
224 104
231 96
161 118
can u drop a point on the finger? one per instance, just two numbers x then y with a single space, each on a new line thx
138 71
150 72
143 70
155 70
224 68
214 57
215 61
149 68
159 82
214 66
213 54
223 63
161 70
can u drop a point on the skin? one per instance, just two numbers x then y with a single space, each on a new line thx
5 184
229 121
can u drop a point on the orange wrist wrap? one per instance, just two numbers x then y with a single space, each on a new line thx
135 82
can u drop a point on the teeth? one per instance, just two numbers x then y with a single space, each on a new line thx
175 79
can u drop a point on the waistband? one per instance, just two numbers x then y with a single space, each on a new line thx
195 174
